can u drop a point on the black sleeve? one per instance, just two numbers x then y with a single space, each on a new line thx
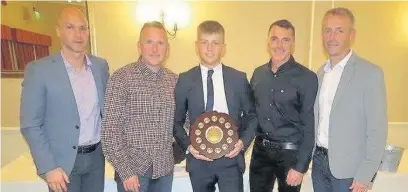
250 120
179 132
307 99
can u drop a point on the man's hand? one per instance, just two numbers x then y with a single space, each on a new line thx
57 180
238 147
294 178
358 187
196 154
132 184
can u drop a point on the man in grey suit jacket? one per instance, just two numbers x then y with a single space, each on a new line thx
212 86
350 112
61 113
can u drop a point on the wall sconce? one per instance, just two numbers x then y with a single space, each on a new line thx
36 12
172 35
172 14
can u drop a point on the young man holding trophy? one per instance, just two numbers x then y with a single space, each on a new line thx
220 105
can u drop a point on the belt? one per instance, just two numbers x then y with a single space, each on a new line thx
322 150
88 148
278 145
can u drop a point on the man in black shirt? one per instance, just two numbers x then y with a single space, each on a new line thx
284 92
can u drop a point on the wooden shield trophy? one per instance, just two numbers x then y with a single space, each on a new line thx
213 134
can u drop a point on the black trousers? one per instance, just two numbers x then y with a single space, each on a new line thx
229 179
267 165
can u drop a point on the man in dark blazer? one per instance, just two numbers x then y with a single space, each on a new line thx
212 86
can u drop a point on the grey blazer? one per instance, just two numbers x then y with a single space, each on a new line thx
358 121
49 116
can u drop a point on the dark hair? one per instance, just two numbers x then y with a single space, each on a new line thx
284 24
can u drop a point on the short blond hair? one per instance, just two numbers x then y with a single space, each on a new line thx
342 12
153 24
211 27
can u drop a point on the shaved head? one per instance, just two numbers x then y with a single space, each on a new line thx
68 12
72 29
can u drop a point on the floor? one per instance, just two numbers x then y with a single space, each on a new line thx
18 171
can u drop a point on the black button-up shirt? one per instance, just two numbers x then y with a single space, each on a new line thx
284 105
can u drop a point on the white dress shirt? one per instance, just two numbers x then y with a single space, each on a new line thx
220 101
328 90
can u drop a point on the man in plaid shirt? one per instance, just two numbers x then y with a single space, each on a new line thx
137 133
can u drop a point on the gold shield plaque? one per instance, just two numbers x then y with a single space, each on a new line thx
214 134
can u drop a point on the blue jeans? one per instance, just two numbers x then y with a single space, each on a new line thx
147 184
323 179
88 174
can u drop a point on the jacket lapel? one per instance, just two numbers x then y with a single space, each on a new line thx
344 80
65 83
96 72
198 88
228 87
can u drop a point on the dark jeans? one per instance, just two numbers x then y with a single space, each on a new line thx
323 179
147 184
268 164
88 174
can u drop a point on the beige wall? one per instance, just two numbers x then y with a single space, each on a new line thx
246 25
382 37
19 14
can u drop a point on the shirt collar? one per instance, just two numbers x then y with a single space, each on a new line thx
205 69
342 63
68 65
287 65
146 71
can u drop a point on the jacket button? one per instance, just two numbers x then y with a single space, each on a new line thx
73 147
77 127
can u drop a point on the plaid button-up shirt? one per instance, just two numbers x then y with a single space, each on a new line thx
137 127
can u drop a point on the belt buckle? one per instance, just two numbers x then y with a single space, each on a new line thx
86 148
322 150
269 144
264 142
